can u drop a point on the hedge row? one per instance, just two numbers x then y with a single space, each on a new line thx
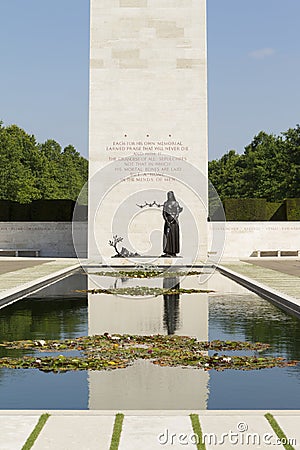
236 209
259 209
40 211
293 208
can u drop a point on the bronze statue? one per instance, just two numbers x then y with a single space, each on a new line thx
171 211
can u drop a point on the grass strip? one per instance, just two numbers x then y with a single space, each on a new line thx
198 431
116 436
284 440
35 432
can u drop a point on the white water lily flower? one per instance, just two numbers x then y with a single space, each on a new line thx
38 361
227 359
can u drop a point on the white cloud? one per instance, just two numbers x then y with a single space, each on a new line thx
262 53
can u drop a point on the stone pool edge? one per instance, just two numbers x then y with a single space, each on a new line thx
9 296
151 412
289 304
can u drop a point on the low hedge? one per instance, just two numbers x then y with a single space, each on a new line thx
277 211
236 209
293 208
52 210
19 212
40 211
245 209
259 209
4 210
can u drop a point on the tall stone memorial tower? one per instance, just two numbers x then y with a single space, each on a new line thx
148 125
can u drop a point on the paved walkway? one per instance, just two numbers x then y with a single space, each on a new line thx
283 276
288 266
146 430
14 265
20 277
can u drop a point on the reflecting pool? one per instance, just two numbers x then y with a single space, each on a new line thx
231 312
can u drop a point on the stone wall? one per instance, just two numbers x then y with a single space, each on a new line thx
234 239
53 239
243 238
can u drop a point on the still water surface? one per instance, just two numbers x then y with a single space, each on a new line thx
233 312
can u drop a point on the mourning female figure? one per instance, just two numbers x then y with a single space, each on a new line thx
171 211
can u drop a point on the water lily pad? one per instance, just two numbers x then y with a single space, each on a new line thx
148 273
140 291
100 352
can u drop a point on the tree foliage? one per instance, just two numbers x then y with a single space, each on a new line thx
269 168
31 171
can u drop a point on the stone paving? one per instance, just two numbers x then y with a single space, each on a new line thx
278 275
20 277
92 430
288 266
76 432
14 265
15 430
16 273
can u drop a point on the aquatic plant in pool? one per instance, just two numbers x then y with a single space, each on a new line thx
140 291
148 272
104 352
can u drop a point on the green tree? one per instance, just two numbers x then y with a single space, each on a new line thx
292 154
225 174
31 171
269 168
74 172
19 159
65 172
261 169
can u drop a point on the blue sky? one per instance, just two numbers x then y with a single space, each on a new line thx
253 69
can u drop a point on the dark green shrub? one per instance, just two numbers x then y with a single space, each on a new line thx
19 212
276 211
52 210
292 208
245 209
4 210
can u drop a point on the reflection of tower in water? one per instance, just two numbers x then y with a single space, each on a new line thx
144 385
171 305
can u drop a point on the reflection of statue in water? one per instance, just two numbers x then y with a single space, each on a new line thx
171 211
171 305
